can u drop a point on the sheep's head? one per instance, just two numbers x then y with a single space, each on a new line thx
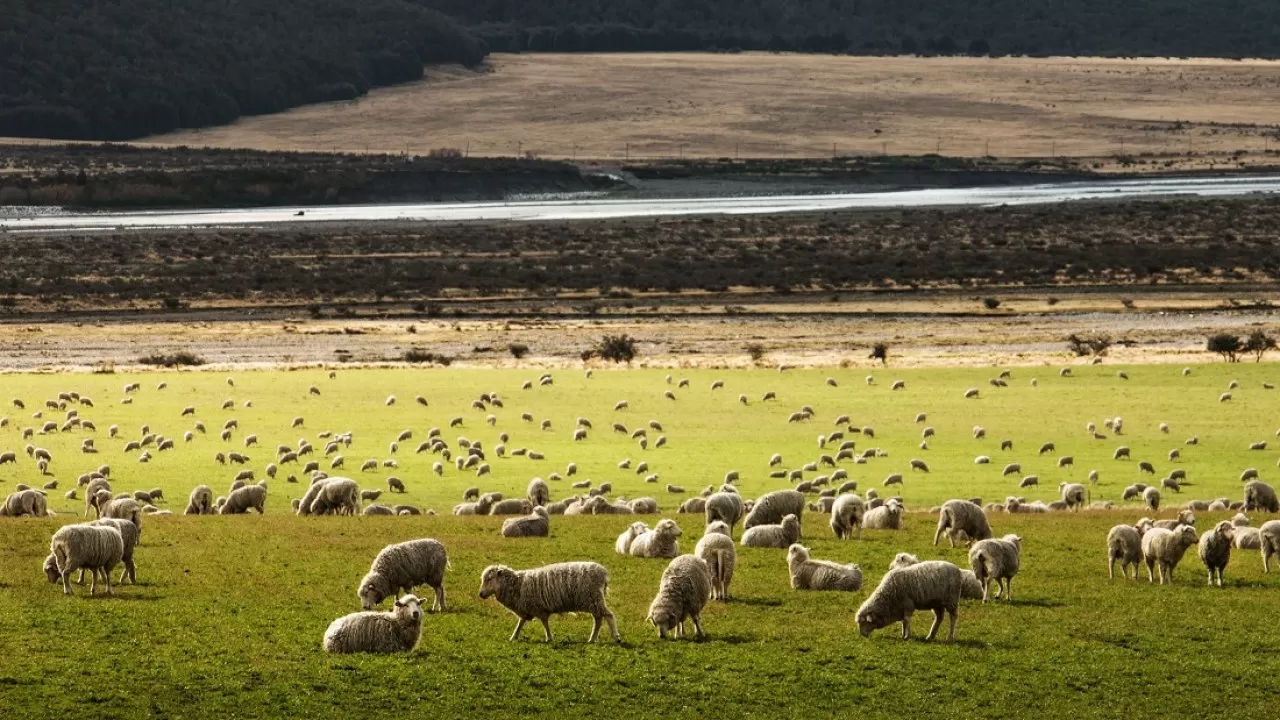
791 524
1187 534
51 569
493 578
541 512
372 590
1186 517
902 560
797 553
668 527
1226 529
718 527
410 605
1015 539
1240 520
959 537
869 621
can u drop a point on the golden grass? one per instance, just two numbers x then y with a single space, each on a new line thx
764 105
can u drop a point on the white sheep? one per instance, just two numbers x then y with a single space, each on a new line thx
1124 543
933 585
717 549
94 547
661 541
847 512
242 500
999 560
394 631
536 524
771 507
725 507
885 517
1215 549
1269 542
402 567
810 574
1165 548
957 516
779 536
622 545
550 590
683 592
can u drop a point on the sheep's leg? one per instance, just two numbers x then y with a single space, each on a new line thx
519 627
1111 568
937 535
438 605
80 579
697 625
546 629
93 581
1151 571
937 623
1008 589
951 634
613 626
106 577
906 624
986 586
66 581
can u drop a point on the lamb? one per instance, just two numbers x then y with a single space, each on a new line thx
809 574
1215 549
549 590
725 507
1269 542
883 517
779 536
95 547
959 516
772 507
1260 496
717 549
241 500
622 545
997 560
661 541
394 631
1166 548
538 492
682 593
934 585
534 525
403 566
847 512
1073 494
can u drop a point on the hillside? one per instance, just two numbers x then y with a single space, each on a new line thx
128 68
1208 28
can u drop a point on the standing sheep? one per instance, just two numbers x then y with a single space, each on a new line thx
884 517
1269 542
242 500
1124 543
402 567
725 507
809 574
97 548
1215 549
717 549
1073 494
846 516
536 524
538 492
1166 548
394 631
1260 496
962 516
1151 496
683 592
779 536
550 590
771 507
934 585
997 560
661 541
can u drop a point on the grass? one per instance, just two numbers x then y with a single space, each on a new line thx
229 613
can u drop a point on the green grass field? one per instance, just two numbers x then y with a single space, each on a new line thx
227 618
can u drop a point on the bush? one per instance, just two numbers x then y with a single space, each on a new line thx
518 350
755 351
1082 346
880 351
184 359
1226 345
991 303
418 355
1258 344
614 348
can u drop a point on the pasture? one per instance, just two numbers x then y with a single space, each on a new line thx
227 617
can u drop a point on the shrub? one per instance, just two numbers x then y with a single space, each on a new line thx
880 351
614 348
991 303
755 351
1226 345
177 359
418 355
1081 346
518 350
1259 343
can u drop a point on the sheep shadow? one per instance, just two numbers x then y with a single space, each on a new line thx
756 601
1036 602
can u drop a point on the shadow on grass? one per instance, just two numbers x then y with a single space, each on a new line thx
1035 602
756 601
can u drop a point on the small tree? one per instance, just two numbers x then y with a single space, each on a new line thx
880 351
991 303
755 350
616 348
518 350
1228 346
1081 346
1258 344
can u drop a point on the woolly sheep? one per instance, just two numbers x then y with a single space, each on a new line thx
535 524
511 507
810 574
661 541
1073 494
1248 538
724 506
683 592
1215 549
847 512
549 590
716 548
772 507
1260 496
331 495
961 516
243 499
24 502
538 492
694 505
403 566
94 547
883 517
933 585
1269 541
996 559
394 631
1151 496
622 545
1165 548
1124 543
779 536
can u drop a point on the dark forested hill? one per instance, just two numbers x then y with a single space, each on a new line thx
1215 28
114 69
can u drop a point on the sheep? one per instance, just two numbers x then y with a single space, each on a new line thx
1124 543
1166 548
996 559
1029 481
99 548
683 592
779 536
809 574
1073 494
1151 496
847 511
1260 496
1215 549
717 549
661 541
694 505
726 507
772 507
883 517
971 393
644 506
403 566
917 464
396 630
622 545
395 484
24 502
1011 469
331 495
511 507
934 585
959 516
538 492
549 590
243 499
535 524
893 479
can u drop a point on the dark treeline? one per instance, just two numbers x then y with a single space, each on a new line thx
117 69
1213 28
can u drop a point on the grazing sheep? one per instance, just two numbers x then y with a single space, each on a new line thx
683 592
549 590
394 631
1151 496
1011 469
25 502
403 566
395 484
933 585
1260 496
1249 474
241 500
996 559
1124 543
1269 542
971 393
893 479
917 464
779 536
725 507
883 517
1029 481
959 516
1047 448
1073 494
772 507
847 513
536 524
513 506
661 541
809 574
97 548
1215 549
694 505
332 495
1166 548
538 492
717 549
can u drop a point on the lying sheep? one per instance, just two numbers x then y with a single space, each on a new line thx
959 516
661 541
716 548
1124 543
511 507
884 517
847 512
241 500
93 547
996 559
1215 549
402 567
549 590
25 502
1166 548
537 524
394 631
810 574
934 585
622 545
683 592
772 507
780 536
